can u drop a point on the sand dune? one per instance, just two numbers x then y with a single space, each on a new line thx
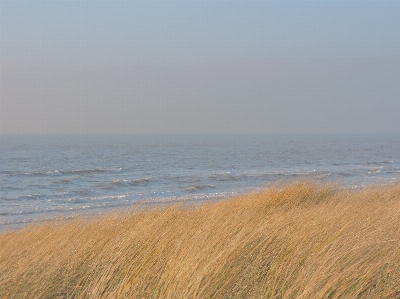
302 240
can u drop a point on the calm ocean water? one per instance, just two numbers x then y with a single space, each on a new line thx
51 176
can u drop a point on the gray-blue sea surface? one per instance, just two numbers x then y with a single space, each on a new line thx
46 176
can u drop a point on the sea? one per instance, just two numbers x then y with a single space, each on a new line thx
60 176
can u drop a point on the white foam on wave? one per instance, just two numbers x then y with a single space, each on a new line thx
110 197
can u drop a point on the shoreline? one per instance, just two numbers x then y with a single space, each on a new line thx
120 208
175 200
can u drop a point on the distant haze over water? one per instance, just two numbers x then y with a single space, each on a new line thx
47 176
111 67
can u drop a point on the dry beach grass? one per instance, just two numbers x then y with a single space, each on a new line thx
301 240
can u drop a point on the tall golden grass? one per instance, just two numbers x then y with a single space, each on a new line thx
301 240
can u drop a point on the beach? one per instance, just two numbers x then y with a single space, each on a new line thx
296 240
60 176
200 149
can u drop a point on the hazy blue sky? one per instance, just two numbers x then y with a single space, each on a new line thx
199 66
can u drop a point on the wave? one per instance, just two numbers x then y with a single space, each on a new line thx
49 197
16 173
188 198
97 198
195 188
26 197
134 182
225 176
95 170
62 172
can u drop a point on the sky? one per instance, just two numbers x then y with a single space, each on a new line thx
77 67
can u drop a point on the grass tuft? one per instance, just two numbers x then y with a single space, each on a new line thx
301 240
